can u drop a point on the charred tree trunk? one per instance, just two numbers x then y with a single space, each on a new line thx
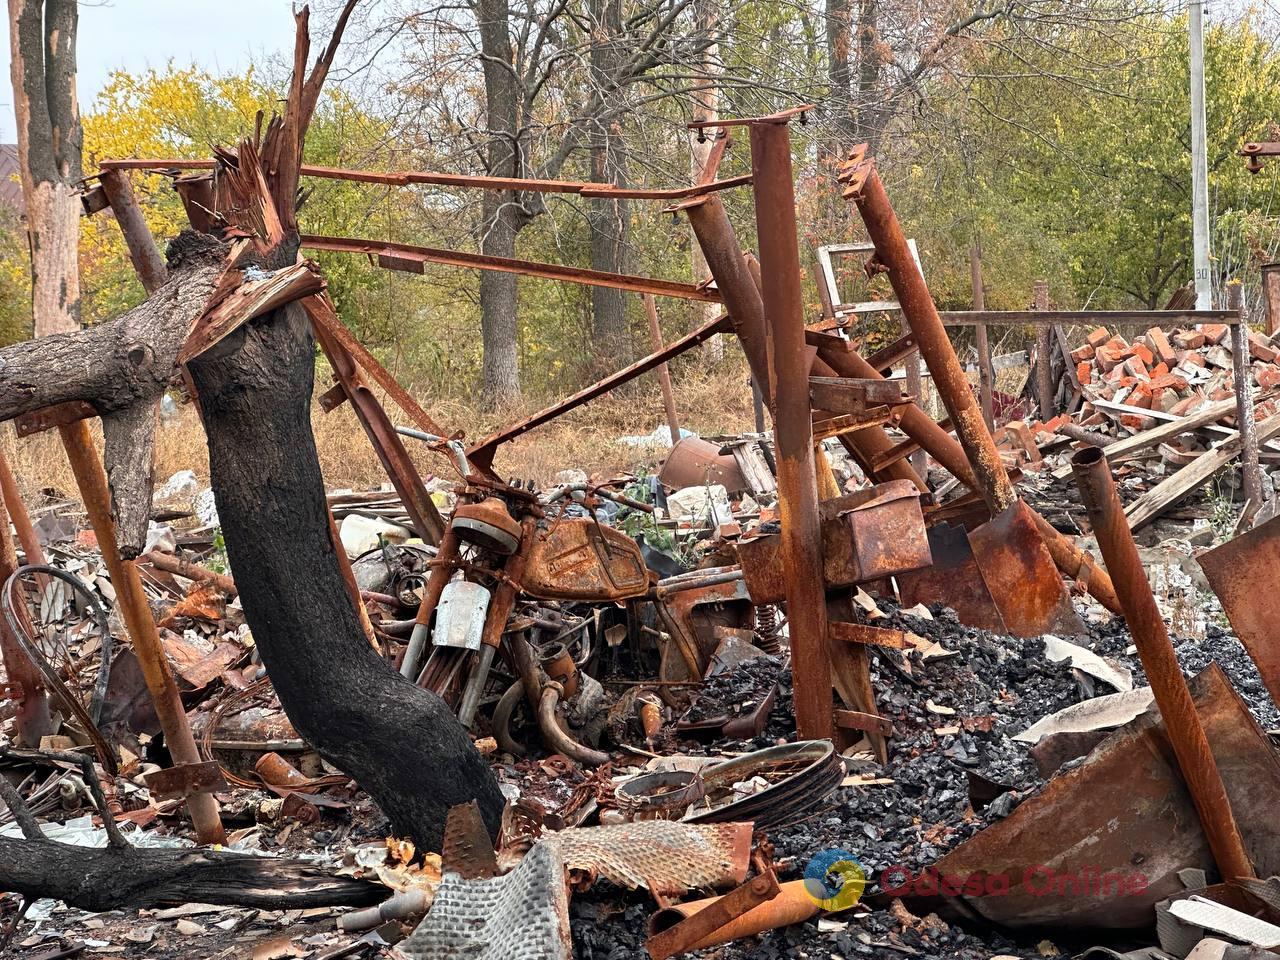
115 878
400 743
42 43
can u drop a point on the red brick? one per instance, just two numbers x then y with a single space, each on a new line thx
1135 422
1193 360
1185 406
1213 332
1268 376
1137 368
1170 381
1098 336
1159 370
1143 353
1189 339
1259 349
1160 346
1142 396
1084 371
1084 353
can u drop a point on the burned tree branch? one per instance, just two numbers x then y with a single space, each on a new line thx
133 877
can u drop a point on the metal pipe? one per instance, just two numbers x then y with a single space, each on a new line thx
793 904
132 603
922 315
12 498
1251 471
502 715
1181 722
788 371
664 375
556 739
441 570
1077 432
146 258
924 430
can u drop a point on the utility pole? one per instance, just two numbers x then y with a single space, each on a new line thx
1199 160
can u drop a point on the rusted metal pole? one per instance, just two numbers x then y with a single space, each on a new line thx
664 375
1044 355
12 498
132 602
442 568
924 430
1241 376
986 374
922 314
1077 432
27 688
349 578
1181 722
146 258
788 369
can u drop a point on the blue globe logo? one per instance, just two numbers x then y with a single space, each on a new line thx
834 880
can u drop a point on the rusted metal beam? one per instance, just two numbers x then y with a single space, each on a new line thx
481 453
1142 616
1151 318
404 178
525 268
147 261
789 363
132 603
24 682
422 511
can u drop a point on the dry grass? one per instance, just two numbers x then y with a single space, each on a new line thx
718 401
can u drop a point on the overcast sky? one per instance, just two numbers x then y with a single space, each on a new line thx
219 35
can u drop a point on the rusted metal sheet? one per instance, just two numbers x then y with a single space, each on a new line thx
955 580
182 780
1103 842
481 453
723 600
578 559
700 927
694 462
467 849
873 533
1020 574
1185 731
662 856
1245 573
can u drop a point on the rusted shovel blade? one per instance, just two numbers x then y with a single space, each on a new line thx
1021 575
1104 841
1245 574
953 580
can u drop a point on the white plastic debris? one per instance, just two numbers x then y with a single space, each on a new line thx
1085 660
705 505
361 534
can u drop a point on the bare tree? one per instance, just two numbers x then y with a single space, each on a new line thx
42 42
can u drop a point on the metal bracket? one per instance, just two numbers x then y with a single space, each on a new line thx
182 780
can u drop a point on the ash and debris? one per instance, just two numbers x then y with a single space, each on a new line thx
737 691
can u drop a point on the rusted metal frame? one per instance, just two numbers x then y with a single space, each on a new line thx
1106 318
326 315
788 369
1271 297
91 480
886 358
11 498
1254 152
944 448
147 261
711 167
702 925
481 453
1045 388
1182 723
664 375
781 117
527 268
411 177
381 432
920 312
25 685
495 621
442 568
1250 469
